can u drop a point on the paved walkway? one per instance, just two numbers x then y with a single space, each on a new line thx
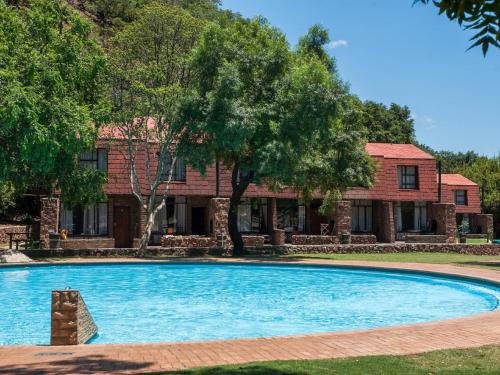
473 331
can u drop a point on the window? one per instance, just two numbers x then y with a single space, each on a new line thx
178 171
411 216
291 215
252 215
420 216
408 177
173 215
90 220
94 159
361 216
461 197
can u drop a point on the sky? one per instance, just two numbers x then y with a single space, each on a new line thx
390 51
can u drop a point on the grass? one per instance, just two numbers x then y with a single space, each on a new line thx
438 258
484 360
476 241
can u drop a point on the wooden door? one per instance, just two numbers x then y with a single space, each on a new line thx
121 227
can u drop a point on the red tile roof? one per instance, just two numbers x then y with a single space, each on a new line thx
396 151
456 179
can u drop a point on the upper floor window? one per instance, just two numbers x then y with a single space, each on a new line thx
95 159
461 197
178 170
408 177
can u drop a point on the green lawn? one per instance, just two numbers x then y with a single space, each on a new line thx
485 360
459 259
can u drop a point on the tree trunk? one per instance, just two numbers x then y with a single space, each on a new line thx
232 224
239 184
146 234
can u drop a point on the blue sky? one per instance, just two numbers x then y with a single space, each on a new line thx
390 51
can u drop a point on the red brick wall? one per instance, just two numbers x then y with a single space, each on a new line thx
386 185
473 198
195 184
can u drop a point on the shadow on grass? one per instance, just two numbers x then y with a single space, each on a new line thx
494 265
78 365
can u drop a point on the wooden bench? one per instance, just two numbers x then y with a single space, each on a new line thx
29 242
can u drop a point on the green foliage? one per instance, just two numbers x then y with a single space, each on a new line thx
149 60
77 191
482 16
118 13
452 162
486 172
51 93
150 74
380 123
312 44
270 114
8 196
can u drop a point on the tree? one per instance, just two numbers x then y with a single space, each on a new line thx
482 16
149 76
51 98
118 13
380 123
486 172
270 114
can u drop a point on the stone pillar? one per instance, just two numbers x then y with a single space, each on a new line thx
71 322
387 229
219 210
49 219
342 216
446 220
484 224
272 215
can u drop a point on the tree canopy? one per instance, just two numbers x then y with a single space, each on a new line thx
481 16
271 114
149 76
51 95
379 123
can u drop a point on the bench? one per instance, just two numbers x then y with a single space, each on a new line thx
29 242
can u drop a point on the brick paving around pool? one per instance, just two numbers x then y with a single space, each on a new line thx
472 331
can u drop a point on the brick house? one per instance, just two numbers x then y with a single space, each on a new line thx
403 204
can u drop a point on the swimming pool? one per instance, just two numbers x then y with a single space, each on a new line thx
156 302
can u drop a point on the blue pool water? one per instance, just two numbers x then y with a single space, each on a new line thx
196 301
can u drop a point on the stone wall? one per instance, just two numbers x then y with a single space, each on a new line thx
253 240
278 237
49 219
71 322
363 238
85 243
446 221
342 216
482 249
188 241
385 219
219 210
314 240
4 229
425 238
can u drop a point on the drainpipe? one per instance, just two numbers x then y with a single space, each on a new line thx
439 181
217 178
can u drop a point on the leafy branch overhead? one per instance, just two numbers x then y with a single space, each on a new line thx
482 16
